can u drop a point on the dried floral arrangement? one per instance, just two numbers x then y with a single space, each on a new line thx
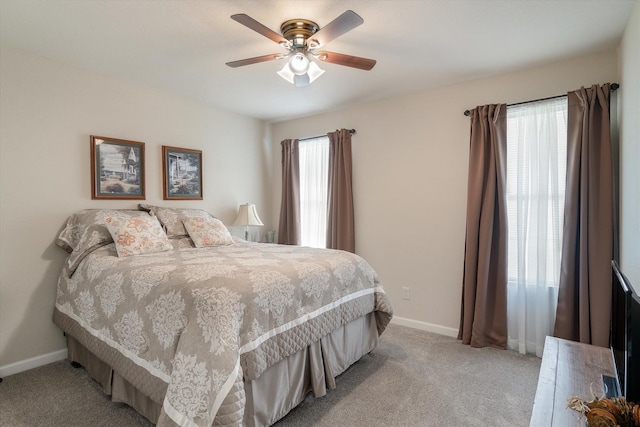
607 412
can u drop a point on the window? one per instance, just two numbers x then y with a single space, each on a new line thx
536 171
314 175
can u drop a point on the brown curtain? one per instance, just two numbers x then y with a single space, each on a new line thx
483 317
289 229
584 295
340 225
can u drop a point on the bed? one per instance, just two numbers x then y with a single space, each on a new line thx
193 327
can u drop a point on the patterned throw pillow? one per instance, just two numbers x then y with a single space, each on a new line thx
86 231
171 218
134 236
207 231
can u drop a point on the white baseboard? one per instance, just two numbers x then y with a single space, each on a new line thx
424 326
34 362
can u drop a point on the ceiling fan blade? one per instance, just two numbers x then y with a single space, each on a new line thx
251 23
346 60
334 29
255 60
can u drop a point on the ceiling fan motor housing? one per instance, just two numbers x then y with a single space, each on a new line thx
297 31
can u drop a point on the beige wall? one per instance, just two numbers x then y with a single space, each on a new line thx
410 179
630 149
47 112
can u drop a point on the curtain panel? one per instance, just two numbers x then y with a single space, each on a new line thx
340 221
483 317
536 178
289 227
584 296
314 184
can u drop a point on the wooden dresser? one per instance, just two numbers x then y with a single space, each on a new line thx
568 369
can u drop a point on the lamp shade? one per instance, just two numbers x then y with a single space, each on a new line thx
314 72
247 215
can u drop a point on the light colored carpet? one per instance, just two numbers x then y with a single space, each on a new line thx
413 378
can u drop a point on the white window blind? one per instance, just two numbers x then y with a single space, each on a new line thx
536 179
314 175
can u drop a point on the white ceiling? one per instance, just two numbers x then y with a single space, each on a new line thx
181 46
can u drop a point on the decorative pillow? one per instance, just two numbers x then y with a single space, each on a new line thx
171 218
134 236
207 231
86 231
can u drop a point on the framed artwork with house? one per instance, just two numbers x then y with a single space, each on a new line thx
117 168
182 173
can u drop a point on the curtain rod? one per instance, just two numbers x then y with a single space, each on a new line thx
613 87
351 131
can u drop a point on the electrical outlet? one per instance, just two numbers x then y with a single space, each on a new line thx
406 293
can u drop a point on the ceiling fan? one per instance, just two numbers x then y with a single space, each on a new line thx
302 38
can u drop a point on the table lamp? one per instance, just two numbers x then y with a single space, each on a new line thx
247 215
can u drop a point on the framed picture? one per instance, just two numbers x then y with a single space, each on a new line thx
117 168
182 173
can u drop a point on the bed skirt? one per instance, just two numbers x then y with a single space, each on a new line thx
269 397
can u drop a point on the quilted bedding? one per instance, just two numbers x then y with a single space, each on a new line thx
203 320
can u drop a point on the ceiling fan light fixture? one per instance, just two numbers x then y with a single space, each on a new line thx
299 64
314 71
300 70
287 74
301 80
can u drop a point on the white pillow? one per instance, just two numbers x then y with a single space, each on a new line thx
135 236
207 231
